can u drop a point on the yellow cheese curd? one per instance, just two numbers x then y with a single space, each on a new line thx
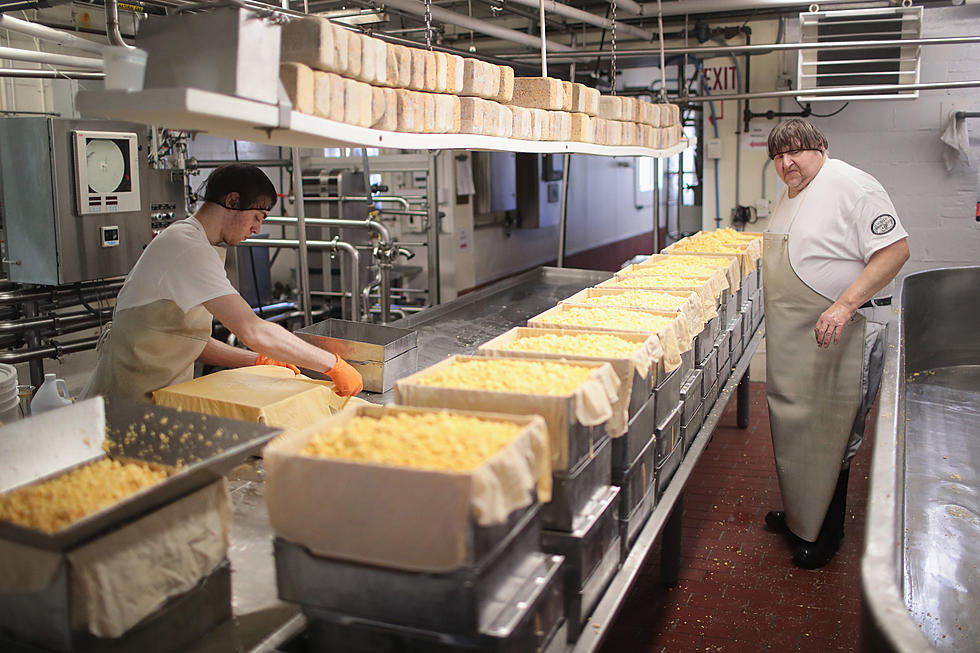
709 246
60 501
680 268
620 319
657 281
588 344
506 375
637 299
425 441
716 262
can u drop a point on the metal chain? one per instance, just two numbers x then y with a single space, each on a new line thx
428 24
613 65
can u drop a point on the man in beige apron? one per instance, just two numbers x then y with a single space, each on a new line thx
834 241
162 320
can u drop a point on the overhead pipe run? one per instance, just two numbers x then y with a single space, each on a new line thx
34 73
66 39
112 24
757 48
34 56
682 7
871 88
586 17
476 24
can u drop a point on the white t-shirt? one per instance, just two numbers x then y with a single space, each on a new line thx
841 218
179 265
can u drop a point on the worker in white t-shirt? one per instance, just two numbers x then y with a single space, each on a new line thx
162 321
834 241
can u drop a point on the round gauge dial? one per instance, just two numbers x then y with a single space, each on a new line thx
105 165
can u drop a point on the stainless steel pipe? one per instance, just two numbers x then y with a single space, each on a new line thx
587 17
328 245
755 48
50 351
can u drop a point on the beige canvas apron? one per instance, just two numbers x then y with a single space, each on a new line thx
147 348
813 393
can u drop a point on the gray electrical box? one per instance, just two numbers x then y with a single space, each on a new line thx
79 201
538 190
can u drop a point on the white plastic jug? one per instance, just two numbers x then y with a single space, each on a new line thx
52 394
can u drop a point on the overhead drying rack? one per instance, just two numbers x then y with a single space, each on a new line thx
226 116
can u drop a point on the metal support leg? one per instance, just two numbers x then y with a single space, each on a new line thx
670 546
742 406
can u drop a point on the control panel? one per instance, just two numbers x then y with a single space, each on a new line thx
162 215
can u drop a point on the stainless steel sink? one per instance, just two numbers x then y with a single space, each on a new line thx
922 545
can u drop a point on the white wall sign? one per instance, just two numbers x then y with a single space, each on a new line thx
757 137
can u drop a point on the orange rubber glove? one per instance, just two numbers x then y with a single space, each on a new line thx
265 360
346 379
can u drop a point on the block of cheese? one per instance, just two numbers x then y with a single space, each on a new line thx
374 61
357 103
418 69
629 133
377 105
471 110
399 66
328 96
480 79
431 73
451 61
300 85
654 112
611 107
539 93
505 124
506 91
411 110
446 113
540 124
429 113
354 48
441 83
389 115
458 67
559 126
521 119
491 118
315 42
582 129
675 114
631 109
585 99
644 135
568 89
455 110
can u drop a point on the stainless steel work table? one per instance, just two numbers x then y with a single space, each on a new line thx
459 327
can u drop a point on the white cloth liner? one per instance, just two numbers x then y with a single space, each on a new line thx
647 356
399 517
124 576
590 404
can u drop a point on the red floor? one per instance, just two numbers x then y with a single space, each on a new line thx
738 590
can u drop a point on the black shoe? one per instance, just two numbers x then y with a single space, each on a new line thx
813 555
776 521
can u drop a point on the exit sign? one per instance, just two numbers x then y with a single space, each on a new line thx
720 78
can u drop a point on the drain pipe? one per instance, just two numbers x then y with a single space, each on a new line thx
112 24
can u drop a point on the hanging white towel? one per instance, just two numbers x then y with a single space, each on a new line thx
957 141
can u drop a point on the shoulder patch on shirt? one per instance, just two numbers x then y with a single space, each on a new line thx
882 224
